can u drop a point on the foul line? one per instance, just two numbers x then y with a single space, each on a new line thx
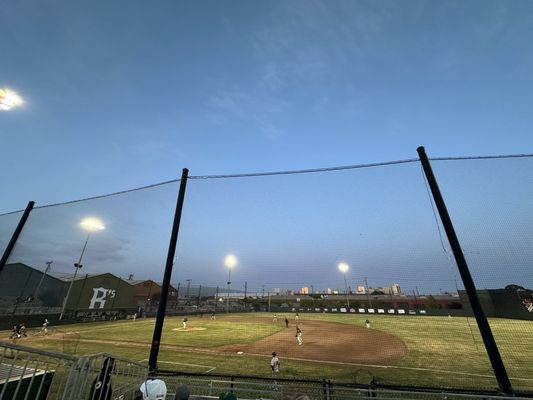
389 366
211 368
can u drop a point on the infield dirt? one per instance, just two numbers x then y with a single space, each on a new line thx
324 341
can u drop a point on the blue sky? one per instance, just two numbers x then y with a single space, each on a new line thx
123 94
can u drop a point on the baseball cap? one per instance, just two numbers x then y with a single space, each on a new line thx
154 389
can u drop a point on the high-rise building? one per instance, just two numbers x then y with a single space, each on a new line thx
361 290
304 290
395 289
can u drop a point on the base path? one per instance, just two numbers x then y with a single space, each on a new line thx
325 341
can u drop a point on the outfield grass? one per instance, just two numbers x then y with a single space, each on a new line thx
441 351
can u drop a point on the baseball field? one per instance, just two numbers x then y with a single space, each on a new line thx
406 350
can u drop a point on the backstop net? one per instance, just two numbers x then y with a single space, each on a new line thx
345 273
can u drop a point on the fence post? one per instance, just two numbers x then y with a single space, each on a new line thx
481 319
16 234
156 339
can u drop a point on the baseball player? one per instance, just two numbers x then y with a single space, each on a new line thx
185 323
367 324
297 317
275 365
286 322
213 316
275 318
44 329
299 335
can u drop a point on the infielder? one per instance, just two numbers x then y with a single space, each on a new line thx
275 318
367 324
185 323
299 335
297 317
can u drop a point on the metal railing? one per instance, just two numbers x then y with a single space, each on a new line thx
33 374
209 386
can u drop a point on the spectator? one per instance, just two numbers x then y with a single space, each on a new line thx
153 389
182 393
227 396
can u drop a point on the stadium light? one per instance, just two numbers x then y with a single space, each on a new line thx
230 262
89 224
343 267
9 99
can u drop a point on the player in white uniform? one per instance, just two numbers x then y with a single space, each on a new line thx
275 318
185 323
367 324
299 336
44 329
274 365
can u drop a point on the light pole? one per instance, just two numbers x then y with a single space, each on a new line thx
230 262
90 225
343 267
48 266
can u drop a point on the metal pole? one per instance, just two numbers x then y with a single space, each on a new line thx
76 267
188 287
48 266
16 234
156 339
65 300
229 283
199 296
484 327
346 293
268 301
367 293
216 299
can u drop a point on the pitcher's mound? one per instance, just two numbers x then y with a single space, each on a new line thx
196 328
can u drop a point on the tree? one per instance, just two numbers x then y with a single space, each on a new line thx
432 303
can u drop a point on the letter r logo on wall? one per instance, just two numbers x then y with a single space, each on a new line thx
99 295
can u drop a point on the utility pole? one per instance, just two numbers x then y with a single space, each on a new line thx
188 287
416 301
312 289
177 295
268 301
263 290
368 293
199 296
245 289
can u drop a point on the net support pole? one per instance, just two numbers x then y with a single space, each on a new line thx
16 234
160 318
481 319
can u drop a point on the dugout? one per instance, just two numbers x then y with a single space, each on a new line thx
103 296
500 303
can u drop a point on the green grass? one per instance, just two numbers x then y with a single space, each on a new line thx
441 351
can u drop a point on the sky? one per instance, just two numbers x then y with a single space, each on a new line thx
125 94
